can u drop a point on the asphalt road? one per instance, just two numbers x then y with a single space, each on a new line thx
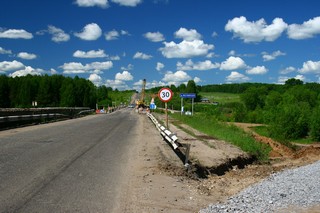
71 166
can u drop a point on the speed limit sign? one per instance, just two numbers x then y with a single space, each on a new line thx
165 94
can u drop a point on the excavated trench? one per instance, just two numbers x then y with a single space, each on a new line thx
195 169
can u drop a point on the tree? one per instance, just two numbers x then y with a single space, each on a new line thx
67 93
4 92
254 97
315 124
293 82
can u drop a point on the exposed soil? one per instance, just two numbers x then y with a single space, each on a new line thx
159 182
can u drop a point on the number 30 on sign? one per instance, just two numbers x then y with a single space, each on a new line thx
165 94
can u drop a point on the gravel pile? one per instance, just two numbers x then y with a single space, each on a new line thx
294 187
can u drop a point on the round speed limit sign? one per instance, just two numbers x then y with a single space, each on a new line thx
165 94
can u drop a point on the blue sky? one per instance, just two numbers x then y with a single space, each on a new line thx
118 43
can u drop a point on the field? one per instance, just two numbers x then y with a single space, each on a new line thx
220 97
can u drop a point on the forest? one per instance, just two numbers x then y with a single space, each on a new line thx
291 110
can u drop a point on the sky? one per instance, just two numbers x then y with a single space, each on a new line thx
118 43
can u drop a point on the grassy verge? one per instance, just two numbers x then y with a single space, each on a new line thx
262 130
229 133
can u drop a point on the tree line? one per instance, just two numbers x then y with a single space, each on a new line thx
51 91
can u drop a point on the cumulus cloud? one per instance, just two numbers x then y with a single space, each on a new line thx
92 3
112 35
233 63
258 70
268 57
90 32
94 67
27 71
159 66
202 65
197 80
15 34
154 36
310 67
95 79
4 51
58 35
90 54
287 70
11 66
236 77
307 29
140 55
128 3
185 49
27 56
124 76
176 78
129 67
117 84
256 31
188 35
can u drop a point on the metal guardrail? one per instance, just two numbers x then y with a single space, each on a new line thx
28 117
172 139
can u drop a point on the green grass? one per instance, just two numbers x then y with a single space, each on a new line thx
229 133
221 97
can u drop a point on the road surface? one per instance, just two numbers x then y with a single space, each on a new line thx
71 166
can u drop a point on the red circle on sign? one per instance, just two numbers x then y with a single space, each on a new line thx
165 94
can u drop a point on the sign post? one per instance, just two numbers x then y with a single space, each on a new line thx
187 95
165 95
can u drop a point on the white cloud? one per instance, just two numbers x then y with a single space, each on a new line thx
154 37
58 35
95 67
112 35
90 32
310 67
233 63
287 70
90 54
258 70
10 66
4 51
124 76
268 57
185 49
92 3
283 79
116 84
95 79
306 30
237 77
129 67
114 58
256 31
214 34
202 65
176 78
27 56
232 53
160 66
197 80
15 34
128 3
27 71
140 55
188 35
